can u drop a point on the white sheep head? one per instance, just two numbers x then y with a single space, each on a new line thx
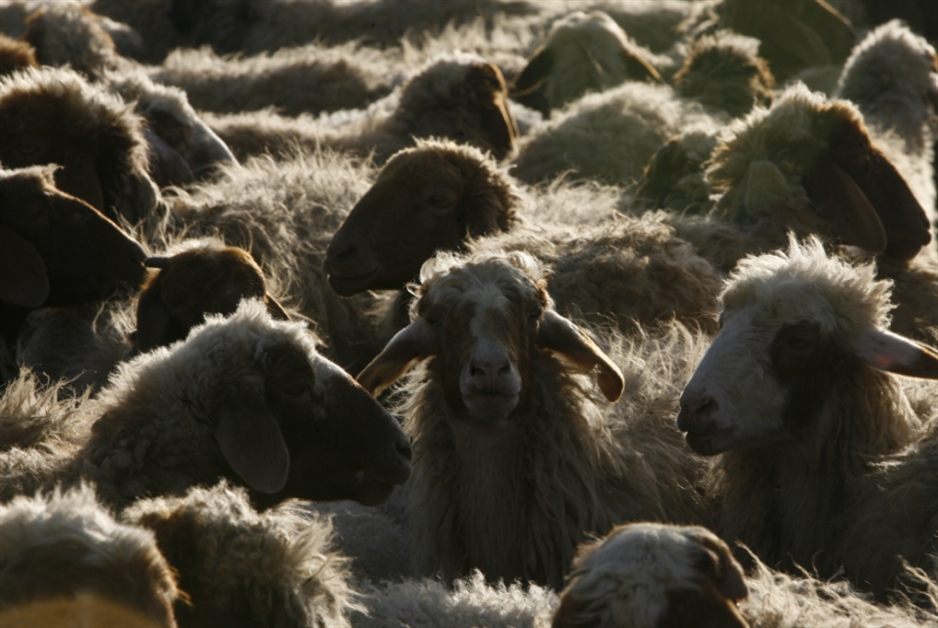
793 324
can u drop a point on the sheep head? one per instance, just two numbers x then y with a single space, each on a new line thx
483 320
432 197
656 576
809 165
209 279
15 54
52 116
464 99
57 249
793 326
583 53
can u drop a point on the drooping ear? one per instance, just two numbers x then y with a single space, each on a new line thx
727 574
528 88
408 346
153 317
558 334
250 439
842 204
639 69
891 352
903 218
275 310
23 277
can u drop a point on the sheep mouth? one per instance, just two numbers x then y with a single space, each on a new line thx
492 407
347 285
711 442
372 490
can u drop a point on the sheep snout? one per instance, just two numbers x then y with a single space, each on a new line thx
490 386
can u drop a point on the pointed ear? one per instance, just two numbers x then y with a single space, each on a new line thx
153 317
275 310
639 69
558 334
528 88
903 218
408 346
249 437
891 352
23 277
842 204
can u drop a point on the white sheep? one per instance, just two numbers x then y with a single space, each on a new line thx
247 398
68 545
793 393
515 457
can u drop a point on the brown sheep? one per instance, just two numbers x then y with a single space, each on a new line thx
795 395
461 97
516 458
66 544
442 196
57 250
54 116
207 279
15 54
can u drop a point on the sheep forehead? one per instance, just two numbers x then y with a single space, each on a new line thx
803 283
415 167
490 283
637 567
578 27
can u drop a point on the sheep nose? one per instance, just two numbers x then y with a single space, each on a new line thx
696 408
487 374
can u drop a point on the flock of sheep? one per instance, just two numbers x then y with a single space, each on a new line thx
471 313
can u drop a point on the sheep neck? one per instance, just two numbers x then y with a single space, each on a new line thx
787 501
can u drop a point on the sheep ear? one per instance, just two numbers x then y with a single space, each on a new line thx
152 317
891 352
842 204
250 439
558 334
275 310
903 218
639 69
408 346
23 277
527 88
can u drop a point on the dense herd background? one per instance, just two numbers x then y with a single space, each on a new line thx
468 313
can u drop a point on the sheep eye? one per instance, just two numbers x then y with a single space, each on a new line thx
534 315
296 390
433 321
439 202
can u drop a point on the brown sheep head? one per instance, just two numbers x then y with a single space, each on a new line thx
484 320
584 53
15 54
429 198
209 279
462 100
57 249
53 116
808 165
799 333
651 575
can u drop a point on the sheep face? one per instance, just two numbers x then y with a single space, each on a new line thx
83 255
484 322
426 199
653 575
796 328
191 284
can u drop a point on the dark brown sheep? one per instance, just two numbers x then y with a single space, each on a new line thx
208 279
15 54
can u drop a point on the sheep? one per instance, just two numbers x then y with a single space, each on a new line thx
793 394
240 567
515 458
54 116
456 96
15 54
84 610
648 575
443 196
57 250
66 544
583 53
308 79
892 77
284 213
247 398
656 575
